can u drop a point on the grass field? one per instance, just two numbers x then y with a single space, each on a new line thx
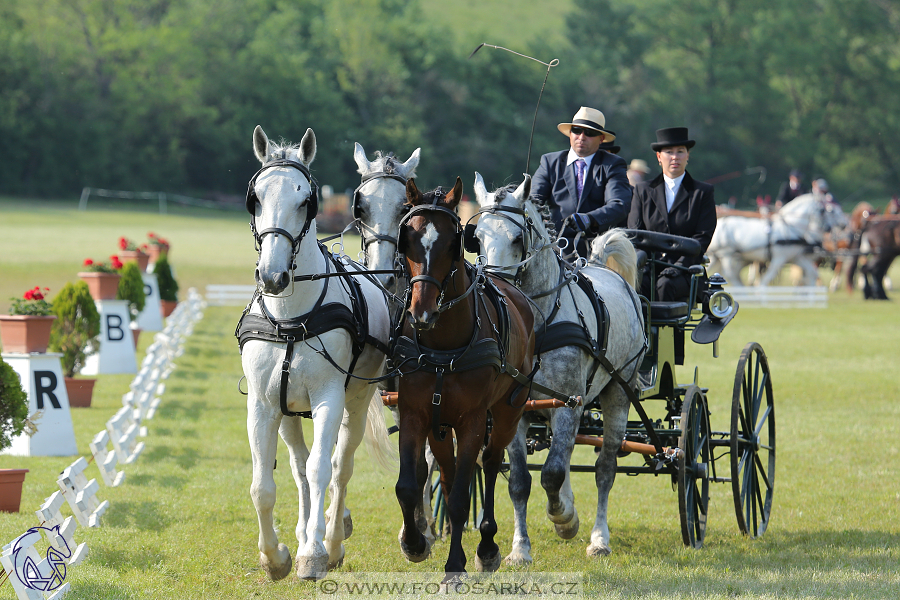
183 526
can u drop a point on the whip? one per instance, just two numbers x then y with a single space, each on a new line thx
549 66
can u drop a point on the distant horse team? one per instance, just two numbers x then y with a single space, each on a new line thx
462 347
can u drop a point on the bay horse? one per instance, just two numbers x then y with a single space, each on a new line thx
307 343
463 347
881 245
584 315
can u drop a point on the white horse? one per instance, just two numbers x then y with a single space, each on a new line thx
784 237
512 235
282 201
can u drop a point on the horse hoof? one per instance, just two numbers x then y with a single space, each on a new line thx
334 564
518 559
415 557
568 530
594 551
280 569
348 526
489 564
312 568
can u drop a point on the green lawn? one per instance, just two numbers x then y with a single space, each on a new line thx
183 526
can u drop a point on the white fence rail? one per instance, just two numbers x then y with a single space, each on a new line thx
229 295
779 296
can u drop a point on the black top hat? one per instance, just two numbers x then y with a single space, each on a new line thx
610 147
672 136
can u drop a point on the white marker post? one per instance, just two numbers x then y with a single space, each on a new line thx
42 380
150 318
116 353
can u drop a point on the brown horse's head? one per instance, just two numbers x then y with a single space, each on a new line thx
430 237
862 212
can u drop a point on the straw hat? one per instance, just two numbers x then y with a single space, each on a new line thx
639 165
589 118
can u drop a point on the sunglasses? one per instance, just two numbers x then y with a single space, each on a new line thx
587 132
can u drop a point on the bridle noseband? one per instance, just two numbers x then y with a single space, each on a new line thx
367 234
529 234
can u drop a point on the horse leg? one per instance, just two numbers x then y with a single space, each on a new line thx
505 419
778 260
614 404
879 271
409 486
519 491
351 433
469 441
312 558
291 431
262 430
555 477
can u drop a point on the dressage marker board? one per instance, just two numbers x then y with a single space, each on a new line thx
779 296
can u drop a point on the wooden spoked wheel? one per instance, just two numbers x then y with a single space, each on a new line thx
753 441
693 471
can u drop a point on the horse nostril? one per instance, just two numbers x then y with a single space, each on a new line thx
257 276
391 281
284 278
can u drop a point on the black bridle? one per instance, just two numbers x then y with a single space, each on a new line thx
367 234
312 206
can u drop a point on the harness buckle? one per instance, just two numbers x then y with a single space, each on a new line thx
285 366
572 402
436 399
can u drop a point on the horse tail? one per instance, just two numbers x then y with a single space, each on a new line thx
380 447
615 251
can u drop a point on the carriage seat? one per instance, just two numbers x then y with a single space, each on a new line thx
668 311
653 241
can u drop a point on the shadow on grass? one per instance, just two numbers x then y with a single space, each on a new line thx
180 410
167 481
89 590
141 515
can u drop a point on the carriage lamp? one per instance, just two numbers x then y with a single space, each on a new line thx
719 303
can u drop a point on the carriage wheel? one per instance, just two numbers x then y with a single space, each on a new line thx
693 472
753 441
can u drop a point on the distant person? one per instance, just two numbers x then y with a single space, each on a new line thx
610 147
820 190
637 170
790 189
585 186
893 207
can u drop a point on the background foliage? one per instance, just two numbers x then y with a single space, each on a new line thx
164 94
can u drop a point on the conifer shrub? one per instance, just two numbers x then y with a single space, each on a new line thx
76 330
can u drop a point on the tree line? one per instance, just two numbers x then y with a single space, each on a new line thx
164 94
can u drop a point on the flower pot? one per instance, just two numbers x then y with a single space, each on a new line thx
167 307
80 391
103 286
11 481
154 252
135 256
25 333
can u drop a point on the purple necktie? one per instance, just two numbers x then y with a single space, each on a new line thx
579 176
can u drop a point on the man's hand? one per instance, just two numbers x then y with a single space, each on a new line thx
577 222
670 272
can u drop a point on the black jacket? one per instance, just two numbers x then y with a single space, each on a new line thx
693 213
605 198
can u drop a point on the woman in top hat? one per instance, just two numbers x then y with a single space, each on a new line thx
585 186
674 203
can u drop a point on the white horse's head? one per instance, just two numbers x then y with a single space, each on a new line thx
510 229
813 215
379 205
281 200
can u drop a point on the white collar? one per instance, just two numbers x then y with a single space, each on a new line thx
572 157
673 184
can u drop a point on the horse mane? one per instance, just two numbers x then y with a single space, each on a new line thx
384 162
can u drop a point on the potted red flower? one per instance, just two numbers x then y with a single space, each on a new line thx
102 278
129 252
27 326
156 246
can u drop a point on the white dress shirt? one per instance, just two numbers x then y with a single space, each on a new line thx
572 157
672 186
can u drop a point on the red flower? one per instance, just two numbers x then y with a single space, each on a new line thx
123 243
88 262
29 295
151 235
37 295
115 262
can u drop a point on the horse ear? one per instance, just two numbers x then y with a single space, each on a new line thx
359 156
524 189
455 194
408 169
307 151
260 144
413 195
481 193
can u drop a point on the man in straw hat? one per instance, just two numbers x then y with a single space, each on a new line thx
585 186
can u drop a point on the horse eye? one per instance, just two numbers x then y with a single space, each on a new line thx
299 187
